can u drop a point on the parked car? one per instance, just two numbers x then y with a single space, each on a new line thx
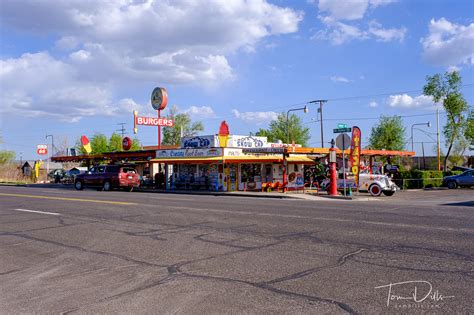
374 184
465 179
70 175
56 175
107 177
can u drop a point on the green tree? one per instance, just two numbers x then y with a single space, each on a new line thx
388 134
115 143
447 89
99 143
286 131
172 135
5 155
469 129
136 145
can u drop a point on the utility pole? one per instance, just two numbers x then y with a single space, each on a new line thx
320 110
438 140
122 130
51 154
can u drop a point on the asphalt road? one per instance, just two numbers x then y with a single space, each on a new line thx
119 252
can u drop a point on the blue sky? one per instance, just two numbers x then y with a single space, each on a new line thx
78 67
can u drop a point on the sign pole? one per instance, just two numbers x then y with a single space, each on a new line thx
344 165
159 131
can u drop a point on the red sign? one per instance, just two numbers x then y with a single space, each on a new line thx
42 149
126 143
355 153
152 121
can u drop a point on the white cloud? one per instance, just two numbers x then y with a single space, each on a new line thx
449 44
408 102
349 9
37 85
111 44
373 104
200 112
352 10
340 79
255 117
386 34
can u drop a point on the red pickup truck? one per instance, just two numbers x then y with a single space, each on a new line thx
107 177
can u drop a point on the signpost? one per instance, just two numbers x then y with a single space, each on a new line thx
159 100
343 142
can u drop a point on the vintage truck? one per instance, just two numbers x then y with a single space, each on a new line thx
374 184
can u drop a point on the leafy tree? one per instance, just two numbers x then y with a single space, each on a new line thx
115 143
172 135
388 134
447 89
136 145
280 129
6 156
469 129
99 143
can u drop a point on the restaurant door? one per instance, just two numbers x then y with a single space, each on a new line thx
231 175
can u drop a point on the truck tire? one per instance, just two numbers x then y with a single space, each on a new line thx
78 185
375 190
107 186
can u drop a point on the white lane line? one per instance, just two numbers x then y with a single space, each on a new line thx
34 211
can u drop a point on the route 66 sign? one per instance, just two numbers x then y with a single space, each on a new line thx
159 98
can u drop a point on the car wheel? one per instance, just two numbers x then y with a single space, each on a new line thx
388 192
78 185
452 185
107 186
375 190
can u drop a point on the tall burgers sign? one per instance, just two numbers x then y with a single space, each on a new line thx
159 100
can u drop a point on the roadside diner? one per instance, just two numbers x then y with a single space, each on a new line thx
231 163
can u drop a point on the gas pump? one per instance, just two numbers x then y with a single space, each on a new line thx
332 170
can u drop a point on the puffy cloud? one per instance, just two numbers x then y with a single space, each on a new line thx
200 112
351 10
340 79
406 101
449 44
255 117
37 85
110 44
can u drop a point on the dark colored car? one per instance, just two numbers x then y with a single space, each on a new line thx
465 179
107 177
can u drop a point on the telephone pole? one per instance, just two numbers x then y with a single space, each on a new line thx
122 130
320 111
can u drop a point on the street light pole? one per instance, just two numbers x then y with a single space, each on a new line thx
305 109
320 110
419 124
51 154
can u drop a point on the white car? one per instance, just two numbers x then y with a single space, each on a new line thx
374 184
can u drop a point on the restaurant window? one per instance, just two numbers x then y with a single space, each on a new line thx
251 172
